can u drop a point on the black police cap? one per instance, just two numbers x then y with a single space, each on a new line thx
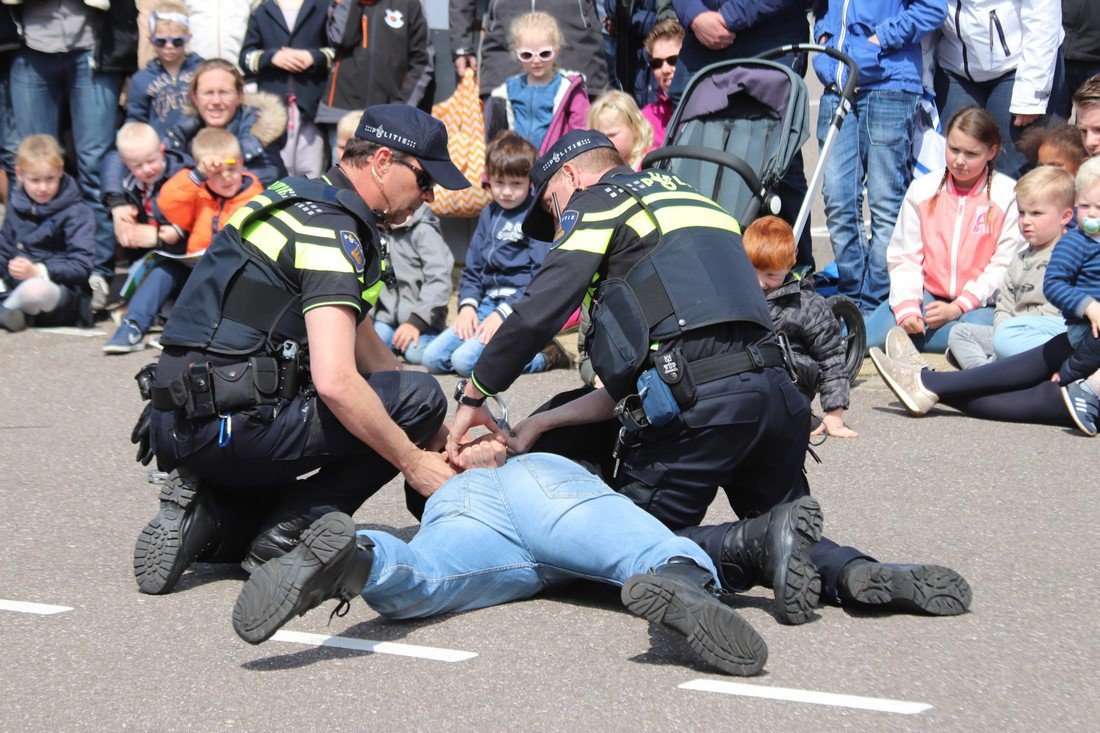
539 224
410 130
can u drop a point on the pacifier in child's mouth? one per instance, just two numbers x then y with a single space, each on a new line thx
1090 225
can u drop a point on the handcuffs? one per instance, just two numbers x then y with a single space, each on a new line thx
500 419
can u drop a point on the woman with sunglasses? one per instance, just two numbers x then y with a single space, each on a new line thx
662 46
158 93
541 103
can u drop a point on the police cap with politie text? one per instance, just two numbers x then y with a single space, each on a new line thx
539 223
409 130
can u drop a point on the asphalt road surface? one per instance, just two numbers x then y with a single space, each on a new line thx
1012 507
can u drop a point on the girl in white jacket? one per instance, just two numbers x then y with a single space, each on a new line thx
1000 55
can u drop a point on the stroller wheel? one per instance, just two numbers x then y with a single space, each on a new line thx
853 333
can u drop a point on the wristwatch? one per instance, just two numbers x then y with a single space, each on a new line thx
463 399
462 52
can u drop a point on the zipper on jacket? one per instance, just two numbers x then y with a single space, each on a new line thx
960 201
840 45
363 30
580 9
962 43
995 22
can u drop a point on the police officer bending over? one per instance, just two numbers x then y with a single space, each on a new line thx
271 368
683 343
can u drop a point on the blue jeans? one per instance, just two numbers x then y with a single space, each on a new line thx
449 353
415 353
871 149
38 82
9 136
492 536
1023 333
933 340
954 92
165 280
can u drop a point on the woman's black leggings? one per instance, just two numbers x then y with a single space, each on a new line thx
1016 389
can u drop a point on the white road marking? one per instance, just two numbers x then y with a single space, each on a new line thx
380 647
73 331
24 607
808 696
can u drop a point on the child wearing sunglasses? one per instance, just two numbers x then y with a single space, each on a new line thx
662 46
542 103
158 93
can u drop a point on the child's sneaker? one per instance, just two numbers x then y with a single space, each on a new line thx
12 319
101 290
899 347
904 380
127 338
1083 405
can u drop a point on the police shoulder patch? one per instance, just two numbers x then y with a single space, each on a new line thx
568 221
353 249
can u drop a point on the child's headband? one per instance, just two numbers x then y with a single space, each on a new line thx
180 18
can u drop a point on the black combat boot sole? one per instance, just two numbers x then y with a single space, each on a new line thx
290 585
796 583
930 589
160 556
717 633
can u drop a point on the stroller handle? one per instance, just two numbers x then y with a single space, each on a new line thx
698 152
849 91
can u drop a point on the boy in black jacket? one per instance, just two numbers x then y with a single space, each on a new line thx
47 243
804 318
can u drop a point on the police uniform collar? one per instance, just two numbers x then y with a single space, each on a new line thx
619 170
348 197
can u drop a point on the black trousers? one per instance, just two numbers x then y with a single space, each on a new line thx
750 441
254 470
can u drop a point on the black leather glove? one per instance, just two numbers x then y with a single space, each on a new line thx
139 436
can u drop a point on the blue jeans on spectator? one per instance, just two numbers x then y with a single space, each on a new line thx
954 92
9 136
165 280
449 353
490 536
415 353
38 82
933 340
870 150
1023 333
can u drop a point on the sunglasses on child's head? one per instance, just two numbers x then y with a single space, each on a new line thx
658 63
173 41
544 55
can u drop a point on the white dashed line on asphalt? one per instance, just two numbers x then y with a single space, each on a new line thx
379 647
789 694
39 608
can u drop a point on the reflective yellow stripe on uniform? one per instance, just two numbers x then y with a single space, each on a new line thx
255 204
264 237
321 257
370 295
586 240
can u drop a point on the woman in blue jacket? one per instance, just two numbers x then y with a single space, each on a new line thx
872 147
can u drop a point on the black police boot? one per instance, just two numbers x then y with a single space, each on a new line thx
328 562
773 550
186 526
281 538
682 596
930 589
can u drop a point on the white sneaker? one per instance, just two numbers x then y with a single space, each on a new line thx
904 380
101 289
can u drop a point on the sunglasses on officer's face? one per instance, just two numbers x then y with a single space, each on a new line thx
173 41
658 63
544 55
423 179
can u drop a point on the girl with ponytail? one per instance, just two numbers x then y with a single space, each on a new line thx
955 235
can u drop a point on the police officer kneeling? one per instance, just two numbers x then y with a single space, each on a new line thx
271 368
682 340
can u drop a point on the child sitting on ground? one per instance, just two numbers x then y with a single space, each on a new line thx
804 319
130 200
541 103
198 201
616 115
47 243
500 263
1023 318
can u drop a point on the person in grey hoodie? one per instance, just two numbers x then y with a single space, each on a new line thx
410 315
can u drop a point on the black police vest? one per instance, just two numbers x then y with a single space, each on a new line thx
693 277
237 303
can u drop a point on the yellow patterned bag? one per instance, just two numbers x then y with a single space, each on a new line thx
462 115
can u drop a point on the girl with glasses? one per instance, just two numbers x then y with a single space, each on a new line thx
662 46
158 93
542 103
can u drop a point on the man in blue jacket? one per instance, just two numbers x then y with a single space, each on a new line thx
872 147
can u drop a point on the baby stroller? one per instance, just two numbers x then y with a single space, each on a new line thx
732 137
